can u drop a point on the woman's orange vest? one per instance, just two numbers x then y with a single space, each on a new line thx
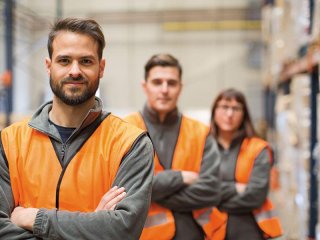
214 222
38 179
187 156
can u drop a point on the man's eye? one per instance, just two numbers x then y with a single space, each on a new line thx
157 82
172 83
86 61
63 61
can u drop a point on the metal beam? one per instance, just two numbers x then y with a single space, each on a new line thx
9 39
213 25
163 16
313 191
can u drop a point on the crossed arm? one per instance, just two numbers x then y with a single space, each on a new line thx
244 198
186 191
120 214
25 217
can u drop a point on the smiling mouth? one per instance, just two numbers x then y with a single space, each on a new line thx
75 83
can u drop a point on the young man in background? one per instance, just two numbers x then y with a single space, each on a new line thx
187 158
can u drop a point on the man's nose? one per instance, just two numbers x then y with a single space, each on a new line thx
164 87
75 70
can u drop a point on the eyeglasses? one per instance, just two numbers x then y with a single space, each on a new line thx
235 109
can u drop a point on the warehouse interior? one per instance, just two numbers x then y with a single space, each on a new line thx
269 49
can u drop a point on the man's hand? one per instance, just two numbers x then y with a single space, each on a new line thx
241 187
24 217
111 198
189 177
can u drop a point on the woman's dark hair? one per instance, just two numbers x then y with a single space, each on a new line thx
230 94
77 25
163 60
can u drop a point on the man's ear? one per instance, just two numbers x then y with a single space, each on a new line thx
181 85
143 85
102 66
48 65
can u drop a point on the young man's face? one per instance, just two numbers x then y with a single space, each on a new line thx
162 88
74 68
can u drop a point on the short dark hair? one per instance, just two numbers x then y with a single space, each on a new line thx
78 25
163 60
246 124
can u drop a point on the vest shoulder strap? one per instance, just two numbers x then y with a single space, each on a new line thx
249 150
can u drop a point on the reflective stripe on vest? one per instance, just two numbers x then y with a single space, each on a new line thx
157 219
36 173
189 129
268 214
204 218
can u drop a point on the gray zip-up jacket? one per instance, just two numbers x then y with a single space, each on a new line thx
241 223
125 222
168 187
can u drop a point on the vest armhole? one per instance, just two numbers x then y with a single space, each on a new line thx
269 152
2 152
145 133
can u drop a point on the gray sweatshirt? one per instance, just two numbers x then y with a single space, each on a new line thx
125 222
168 187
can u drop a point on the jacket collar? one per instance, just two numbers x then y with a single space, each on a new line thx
40 119
153 117
237 140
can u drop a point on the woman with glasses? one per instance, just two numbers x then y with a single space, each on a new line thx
245 211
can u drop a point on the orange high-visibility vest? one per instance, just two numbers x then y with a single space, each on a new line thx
187 156
214 222
38 179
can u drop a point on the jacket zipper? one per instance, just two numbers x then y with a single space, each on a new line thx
63 152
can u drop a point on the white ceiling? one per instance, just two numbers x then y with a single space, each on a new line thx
84 7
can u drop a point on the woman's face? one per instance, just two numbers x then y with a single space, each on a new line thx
228 115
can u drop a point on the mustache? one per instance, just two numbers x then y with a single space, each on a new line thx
70 79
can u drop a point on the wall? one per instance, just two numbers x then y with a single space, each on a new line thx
212 59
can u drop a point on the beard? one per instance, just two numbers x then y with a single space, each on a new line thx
75 96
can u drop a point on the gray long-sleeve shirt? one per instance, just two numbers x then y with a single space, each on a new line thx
125 222
168 187
241 224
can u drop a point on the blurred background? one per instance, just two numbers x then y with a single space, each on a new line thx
269 49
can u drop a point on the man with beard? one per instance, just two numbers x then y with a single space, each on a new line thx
74 171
